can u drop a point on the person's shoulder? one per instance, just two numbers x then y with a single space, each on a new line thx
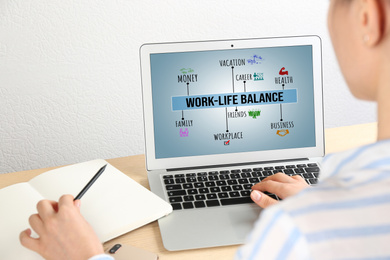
338 199
355 159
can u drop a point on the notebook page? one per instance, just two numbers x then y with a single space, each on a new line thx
114 205
17 203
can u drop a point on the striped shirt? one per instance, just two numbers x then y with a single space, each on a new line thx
101 257
346 216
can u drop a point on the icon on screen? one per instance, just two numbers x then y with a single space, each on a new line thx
282 132
283 71
185 71
255 59
254 113
258 76
183 133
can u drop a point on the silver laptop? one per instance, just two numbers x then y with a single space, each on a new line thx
220 116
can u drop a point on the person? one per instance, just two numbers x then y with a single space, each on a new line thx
346 216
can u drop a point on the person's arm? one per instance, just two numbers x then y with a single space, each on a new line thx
63 232
279 184
275 236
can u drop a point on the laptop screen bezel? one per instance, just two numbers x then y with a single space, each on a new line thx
152 163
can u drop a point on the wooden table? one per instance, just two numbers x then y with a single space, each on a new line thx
148 237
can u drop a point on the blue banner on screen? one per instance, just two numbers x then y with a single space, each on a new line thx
234 99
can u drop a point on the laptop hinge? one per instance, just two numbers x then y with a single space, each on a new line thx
235 165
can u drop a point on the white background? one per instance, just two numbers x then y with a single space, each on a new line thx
70 87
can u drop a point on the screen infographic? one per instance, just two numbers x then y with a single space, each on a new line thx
231 101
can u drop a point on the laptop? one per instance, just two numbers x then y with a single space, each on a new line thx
220 116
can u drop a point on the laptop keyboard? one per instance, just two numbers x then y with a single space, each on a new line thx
227 187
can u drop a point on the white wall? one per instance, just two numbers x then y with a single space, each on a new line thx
70 78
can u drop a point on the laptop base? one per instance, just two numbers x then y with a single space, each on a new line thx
197 228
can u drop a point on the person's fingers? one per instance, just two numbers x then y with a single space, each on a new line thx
27 241
46 208
270 186
262 199
36 223
77 204
281 177
66 200
298 178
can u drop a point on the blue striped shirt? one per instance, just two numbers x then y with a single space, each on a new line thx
346 216
101 257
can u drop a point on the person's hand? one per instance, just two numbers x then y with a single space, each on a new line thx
63 232
279 184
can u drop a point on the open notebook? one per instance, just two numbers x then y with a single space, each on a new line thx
114 205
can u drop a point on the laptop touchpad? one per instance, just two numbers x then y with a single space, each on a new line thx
218 227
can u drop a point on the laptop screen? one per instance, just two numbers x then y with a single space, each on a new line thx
232 101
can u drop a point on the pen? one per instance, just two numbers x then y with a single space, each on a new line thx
90 183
